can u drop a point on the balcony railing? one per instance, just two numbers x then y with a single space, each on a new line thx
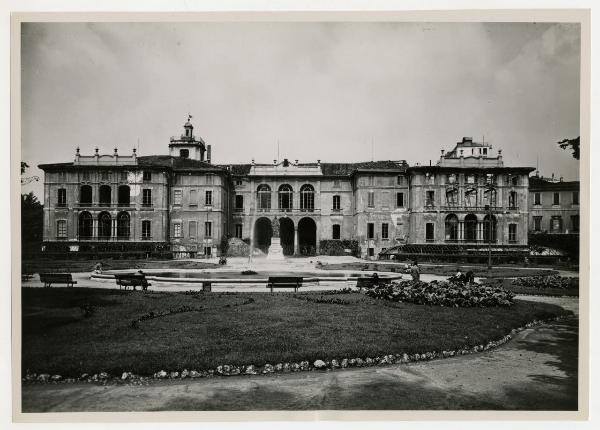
471 208
282 210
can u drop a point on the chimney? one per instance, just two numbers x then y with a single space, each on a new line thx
96 153
561 179
208 151
319 163
296 162
134 154
275 162
461 153
442 153
77 155
553 176
116 152
253 161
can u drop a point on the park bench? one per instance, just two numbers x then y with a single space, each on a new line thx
367 282
132 280
294 282
57 278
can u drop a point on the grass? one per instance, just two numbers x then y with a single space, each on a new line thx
232 329
519 289
445 270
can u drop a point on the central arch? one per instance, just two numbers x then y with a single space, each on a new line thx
307 236
286 234
471 228
263 231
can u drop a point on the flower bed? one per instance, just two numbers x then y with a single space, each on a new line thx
436 293
545 282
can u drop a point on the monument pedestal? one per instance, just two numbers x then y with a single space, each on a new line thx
275 250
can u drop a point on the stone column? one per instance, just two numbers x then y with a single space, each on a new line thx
94 228
296 244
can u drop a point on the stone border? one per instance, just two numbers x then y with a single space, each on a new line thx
303 366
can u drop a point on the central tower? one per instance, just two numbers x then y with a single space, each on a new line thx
187 146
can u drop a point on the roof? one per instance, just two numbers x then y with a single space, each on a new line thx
347 169
498 169
176 163
539 184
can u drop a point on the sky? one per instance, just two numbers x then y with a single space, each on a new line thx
337 92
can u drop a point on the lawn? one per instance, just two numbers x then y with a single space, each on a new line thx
73 266
520 289
242 328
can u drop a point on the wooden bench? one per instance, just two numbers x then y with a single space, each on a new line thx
57 278
132 280
294 282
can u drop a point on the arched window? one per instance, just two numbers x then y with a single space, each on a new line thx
123 225
489 228
489 197
123 195
307 198
286 197
471 228
264 197
104 225
84 230
451 228
85 195
105 195
452 196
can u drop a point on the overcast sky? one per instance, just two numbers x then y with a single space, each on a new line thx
328 91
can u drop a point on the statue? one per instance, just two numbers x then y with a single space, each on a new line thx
275 225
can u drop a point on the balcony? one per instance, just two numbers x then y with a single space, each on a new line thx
459 208
293 210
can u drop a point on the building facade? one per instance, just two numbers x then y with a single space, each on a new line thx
553 205
185 204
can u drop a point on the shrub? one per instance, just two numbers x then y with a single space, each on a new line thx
442 294
543 282
337 247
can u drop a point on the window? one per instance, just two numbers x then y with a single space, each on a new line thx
104 226
239 202
452 196
537 223
512 232
177 197
429 232
512 200
451 225
193 228
147 197
471 197
146 230
193 198
105 176
490 179
537 198
556 224
208 229
61 229
286 197
85 226
207 251
177 229
371 252
429 198
514 181
575 197
208 198
556 199
238 231
575 223
370 230
146 176
370 180
238 182
264 197
384 230
335 231
123 175
62 197
185 153
484 151
336 203
85 176
371 199
470 179
399 200
123 230
123 195
307 198
105 195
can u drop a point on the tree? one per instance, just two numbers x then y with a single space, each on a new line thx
572 144
32 224
26 180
